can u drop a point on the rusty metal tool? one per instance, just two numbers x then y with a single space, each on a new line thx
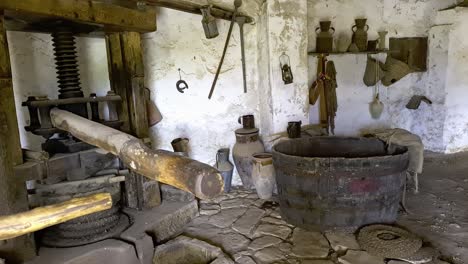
237 4
241 21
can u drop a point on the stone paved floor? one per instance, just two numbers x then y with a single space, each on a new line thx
251 231
439 212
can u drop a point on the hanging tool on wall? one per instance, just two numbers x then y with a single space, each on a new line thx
181 84
241 21
325 89
237 4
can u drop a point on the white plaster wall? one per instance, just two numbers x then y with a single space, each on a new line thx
287 28
209 124
33 69
402 19
456 86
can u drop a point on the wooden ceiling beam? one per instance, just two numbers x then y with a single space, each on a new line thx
194 8
108 17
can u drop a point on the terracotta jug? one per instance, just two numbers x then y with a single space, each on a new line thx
263 175
247 144
360 34
225 167
325 37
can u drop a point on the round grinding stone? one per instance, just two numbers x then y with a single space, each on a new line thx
388 241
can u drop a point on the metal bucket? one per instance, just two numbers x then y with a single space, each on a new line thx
338 182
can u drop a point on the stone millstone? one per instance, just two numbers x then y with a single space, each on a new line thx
388 241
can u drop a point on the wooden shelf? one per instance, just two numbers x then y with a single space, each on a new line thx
347 53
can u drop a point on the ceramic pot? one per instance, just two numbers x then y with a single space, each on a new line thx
294 129
360 34
382 40
225 167
180 145
376 108
263 175
247 144
325 37
372 45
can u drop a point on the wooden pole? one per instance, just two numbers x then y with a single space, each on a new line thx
125 57
13 196
192 176
12 226
195 8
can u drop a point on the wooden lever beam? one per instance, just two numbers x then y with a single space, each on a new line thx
16 225
111 17
192 176
194 8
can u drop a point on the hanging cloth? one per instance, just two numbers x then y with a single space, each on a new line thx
317 91
325 89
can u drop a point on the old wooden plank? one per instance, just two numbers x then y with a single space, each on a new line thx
134 74
117 77
112 17
148 193
194 8
12 226
13 195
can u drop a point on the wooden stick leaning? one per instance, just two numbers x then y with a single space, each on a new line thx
189 175
16 225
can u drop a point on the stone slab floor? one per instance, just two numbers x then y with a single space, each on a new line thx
251 231
439 213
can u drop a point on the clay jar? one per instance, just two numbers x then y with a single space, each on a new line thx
325 37
247 144
225 167
360 34
263 175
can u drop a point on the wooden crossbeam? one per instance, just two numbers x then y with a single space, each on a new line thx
194 8
112 18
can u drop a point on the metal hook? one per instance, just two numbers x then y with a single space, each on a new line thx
181 84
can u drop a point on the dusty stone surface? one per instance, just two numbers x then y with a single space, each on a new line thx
439 204
342 241
185 250
269 255
245 260
247 222
263 242
309 244
273 230
359 257
226 218
317 262
255 233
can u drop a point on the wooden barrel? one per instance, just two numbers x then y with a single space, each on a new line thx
339 182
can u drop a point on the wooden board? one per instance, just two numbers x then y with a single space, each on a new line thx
113 18
117 77
412 51
12 226
194 8
13 194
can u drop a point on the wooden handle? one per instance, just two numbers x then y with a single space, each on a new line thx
16 225
189 175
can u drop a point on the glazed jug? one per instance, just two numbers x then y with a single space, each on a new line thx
263 175
360 34
325 37
225 167
247 144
